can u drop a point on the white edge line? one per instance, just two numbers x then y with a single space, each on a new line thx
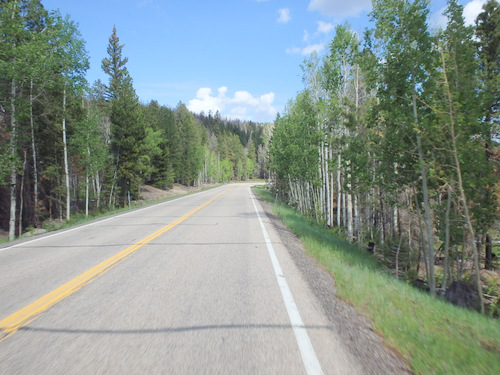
309 358
58 233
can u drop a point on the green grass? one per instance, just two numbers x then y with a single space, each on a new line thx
79 218
434 336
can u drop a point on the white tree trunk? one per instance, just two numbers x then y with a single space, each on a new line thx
331 197
87 183
327 200
349 218
446 240
98 188
66 164
13 171
21 203
427 214
339 191
35 158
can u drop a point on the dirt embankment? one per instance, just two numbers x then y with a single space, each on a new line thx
149 193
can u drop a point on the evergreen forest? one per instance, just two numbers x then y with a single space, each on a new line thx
68 147
394 141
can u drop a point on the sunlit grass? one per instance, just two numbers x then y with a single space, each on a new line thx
434 336
79 218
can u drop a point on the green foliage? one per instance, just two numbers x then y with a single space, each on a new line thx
114 142
132 145
114 66
88 142
295 140
190 147
487 33
388 125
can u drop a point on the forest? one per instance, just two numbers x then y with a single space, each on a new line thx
394 141
68 147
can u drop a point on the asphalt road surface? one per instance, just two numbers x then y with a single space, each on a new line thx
197 285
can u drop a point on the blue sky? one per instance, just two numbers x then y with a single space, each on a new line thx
241 57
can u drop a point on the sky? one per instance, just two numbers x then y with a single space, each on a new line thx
239 57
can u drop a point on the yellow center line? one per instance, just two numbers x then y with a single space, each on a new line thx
29 313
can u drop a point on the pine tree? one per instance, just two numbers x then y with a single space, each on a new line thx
127 125
114 65
190 147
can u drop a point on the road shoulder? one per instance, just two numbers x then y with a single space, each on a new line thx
355 330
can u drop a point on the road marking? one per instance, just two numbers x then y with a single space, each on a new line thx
29 313
59 232
309 358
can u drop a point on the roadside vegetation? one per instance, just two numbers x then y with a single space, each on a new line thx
71 147
80 218
394 141
434 336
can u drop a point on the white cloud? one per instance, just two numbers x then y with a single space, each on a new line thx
339 8
242 105
306 36
472 10
324 27
284 15
313 48
306 50
438 20
293 50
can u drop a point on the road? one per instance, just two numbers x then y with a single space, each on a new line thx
196 285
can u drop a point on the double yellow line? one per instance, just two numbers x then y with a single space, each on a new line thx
23 317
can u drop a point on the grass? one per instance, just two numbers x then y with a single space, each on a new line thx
79 218
434 336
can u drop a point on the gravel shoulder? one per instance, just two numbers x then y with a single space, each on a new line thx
355 330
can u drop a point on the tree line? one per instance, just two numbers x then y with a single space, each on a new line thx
394 139
70 147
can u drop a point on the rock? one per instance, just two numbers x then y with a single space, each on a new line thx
371 247
461 294
420 284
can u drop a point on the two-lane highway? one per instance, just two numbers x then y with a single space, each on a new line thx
200 284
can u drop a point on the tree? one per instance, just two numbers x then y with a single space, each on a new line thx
70 61
13 36
22 44
127 125
114 66
487 33
87 140
160 122
294 153
191 152
343 77
461 114
407 67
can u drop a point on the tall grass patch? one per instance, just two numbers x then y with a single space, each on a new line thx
434 336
